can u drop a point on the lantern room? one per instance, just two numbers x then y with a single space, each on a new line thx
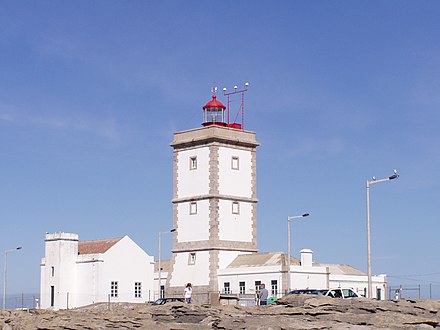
214 113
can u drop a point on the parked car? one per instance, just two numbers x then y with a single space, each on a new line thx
309 291
341 293
333 293
162 301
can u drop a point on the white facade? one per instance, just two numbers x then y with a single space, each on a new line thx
244 275
75 273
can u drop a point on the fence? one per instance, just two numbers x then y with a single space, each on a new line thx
417 291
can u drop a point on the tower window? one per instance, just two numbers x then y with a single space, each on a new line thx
193 163
192 258
235 164
235 208
193 208
52 271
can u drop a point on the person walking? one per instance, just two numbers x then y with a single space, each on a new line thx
187 293
263 294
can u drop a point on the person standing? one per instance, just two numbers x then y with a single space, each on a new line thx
187 293
263 294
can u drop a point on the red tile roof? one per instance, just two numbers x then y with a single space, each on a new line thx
97 246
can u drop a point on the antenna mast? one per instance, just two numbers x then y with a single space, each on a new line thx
228 94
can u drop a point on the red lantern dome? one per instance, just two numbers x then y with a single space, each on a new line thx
214 103
214 113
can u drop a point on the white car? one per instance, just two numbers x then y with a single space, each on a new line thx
341 293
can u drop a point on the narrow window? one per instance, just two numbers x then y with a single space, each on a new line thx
52 296
257 286
235 208
193 208
274 285
235 164
227 287
242 287
192 258
138 289
162 291
114 289
193 163
53 271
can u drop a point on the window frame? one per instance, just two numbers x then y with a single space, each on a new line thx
138 289
235 163
192 208
192 258
192 163
227 287
274 287
114 289
235 207
242 287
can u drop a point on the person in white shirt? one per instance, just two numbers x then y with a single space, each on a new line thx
187 293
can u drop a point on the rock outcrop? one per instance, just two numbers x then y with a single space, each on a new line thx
291 312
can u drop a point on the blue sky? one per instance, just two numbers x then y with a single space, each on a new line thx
91 93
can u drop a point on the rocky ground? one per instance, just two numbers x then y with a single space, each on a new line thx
291 312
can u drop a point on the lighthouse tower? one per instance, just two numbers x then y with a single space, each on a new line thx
214 200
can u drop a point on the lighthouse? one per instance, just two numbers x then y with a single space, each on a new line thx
214 200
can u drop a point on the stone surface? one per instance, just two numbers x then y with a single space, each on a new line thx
291 312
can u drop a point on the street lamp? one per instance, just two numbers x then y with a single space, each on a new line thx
374 181
289 218
5 273
160 266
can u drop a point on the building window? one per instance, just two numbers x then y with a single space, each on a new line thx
242 287
193 208
227 287
114 289
138 289
274 286
52 296
257 286
192 258
53 271
193 163
235 163
235 208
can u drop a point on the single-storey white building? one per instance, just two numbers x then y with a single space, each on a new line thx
77 273
247 272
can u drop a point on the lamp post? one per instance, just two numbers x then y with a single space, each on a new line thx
159 258
5 273
289 218
374 181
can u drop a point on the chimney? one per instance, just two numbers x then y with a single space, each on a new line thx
306 257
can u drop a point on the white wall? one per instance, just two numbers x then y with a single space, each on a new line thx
235 227
126 263
197 274
235 182
193 182
61 250
193 227
249 275
308 277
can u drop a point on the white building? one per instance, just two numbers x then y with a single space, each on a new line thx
245 274
77 273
